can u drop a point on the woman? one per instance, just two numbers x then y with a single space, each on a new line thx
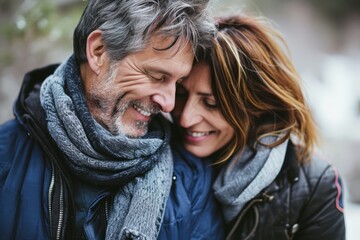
243 107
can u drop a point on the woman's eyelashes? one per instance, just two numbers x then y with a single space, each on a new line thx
210 104
207 102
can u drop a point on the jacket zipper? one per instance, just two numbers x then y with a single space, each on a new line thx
61 202
107 210
242 214
51 189
35 130
287 227
264 197
61 211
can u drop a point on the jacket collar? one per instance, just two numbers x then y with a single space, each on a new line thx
28 102
291 165
290 170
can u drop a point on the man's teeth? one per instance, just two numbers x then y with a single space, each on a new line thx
142 111
197 134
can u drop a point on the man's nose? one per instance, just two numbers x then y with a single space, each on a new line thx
165 97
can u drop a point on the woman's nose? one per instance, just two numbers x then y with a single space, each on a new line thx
190 115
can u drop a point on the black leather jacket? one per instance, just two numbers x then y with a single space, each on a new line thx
304 202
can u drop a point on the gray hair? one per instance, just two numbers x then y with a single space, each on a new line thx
127 25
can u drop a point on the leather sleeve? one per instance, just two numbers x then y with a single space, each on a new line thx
322 216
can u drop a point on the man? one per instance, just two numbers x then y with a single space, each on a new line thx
82 158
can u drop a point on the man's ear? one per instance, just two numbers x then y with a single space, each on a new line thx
95 51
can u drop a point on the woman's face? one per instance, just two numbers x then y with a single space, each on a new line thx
203 128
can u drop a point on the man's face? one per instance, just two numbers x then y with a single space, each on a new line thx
125 94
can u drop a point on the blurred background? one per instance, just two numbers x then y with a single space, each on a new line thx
323 37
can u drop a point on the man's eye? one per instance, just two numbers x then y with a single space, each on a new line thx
157 78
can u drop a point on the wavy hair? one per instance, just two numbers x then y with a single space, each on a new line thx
128 25
257 87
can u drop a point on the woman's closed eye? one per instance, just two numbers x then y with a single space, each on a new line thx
210 104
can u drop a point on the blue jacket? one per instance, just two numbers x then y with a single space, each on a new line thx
192 211
37 194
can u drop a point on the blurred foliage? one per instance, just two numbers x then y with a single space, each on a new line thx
43 17
25 21
36 21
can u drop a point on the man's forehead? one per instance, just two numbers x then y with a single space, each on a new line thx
158 50
169 43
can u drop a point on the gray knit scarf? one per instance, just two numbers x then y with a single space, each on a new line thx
246 175
141 168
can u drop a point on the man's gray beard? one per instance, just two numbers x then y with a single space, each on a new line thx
117 127
133 129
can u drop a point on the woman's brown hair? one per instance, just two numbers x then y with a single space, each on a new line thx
257 87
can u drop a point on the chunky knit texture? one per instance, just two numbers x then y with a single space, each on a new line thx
141 168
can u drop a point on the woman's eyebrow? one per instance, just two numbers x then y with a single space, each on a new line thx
205 94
